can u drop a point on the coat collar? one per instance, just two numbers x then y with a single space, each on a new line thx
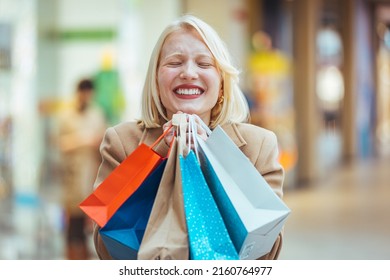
231 129
150 135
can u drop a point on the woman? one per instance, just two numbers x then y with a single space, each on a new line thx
190 72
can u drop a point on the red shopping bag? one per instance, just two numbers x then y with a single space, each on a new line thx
122 182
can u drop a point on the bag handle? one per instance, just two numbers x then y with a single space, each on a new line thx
192 134
202 124
161 136
171 145
180 123
187 124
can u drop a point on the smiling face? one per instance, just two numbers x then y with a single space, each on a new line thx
187 75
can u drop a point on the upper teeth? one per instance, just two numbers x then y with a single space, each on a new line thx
190 91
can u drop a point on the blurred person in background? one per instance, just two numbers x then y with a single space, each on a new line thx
190 72
81 128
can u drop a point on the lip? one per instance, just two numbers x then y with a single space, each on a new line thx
188 87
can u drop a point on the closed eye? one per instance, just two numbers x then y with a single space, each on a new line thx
205 64
174 63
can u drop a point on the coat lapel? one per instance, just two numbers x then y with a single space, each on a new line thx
150 135
231 129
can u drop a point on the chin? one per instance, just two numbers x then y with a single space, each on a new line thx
198 110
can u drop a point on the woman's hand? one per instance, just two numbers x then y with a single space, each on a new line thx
169 136
200 130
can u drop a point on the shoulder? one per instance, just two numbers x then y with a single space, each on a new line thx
244 134
130 134
254 141
128 131
249 131
125 136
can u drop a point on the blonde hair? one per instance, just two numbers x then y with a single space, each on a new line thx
234 107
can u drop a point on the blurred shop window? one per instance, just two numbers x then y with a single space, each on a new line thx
5 157
108 89
271 97
330 81
386 37
329 45
5 46
330 92
5 116
383 90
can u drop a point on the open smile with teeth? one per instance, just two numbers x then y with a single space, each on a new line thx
188 91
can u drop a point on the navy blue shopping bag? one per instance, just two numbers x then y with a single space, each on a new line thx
123 233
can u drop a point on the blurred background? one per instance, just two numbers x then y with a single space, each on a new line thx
316 72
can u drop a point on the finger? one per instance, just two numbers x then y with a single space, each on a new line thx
203 135
202 132
167 125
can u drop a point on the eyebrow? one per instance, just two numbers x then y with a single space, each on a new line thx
179 54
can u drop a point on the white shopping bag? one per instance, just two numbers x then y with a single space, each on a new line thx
254 215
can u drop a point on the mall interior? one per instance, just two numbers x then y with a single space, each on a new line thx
316 72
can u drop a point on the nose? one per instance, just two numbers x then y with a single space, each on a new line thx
189 71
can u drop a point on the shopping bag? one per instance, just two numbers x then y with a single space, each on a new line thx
207 233
122 182
254 215
122 234
166 236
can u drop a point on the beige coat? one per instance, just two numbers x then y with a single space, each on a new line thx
258 144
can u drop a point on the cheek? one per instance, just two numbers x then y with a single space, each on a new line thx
159 78
163 80
163 87
216 83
